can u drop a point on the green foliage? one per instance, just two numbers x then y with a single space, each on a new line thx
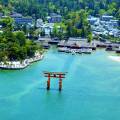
42 33
77 25
7 23
5 2
14 45
20 38
89 37
41 8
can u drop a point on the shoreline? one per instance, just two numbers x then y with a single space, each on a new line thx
17 65
115 58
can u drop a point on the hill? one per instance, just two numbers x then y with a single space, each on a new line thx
41 8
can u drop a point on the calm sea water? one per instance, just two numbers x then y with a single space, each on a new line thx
91 90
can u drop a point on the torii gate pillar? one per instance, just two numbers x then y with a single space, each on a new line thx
48 82
59 75
60 82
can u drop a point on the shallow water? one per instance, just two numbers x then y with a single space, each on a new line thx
91 90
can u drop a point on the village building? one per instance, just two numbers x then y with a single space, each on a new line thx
54 18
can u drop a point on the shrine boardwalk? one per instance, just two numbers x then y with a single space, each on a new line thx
59 75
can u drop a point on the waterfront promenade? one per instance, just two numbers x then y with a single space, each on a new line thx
20 65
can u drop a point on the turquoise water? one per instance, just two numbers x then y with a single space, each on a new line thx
91 90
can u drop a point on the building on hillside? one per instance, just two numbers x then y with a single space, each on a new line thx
0 26
106 17
39 23
47 28
15 15
54 18
1 14
23 20
19 19
105 25
114 23
92 20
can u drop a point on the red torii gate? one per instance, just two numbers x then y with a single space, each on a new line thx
59 75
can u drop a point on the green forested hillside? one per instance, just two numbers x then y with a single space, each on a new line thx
74 12
40 8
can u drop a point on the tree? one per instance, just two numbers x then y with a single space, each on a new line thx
14 45
20 37
89 37
7 23
42 33
5 2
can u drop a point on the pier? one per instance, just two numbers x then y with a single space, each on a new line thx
79 45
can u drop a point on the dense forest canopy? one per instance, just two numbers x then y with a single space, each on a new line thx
41 8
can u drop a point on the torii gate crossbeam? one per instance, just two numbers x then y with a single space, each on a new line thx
50 75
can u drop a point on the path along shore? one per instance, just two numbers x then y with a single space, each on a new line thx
13 65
